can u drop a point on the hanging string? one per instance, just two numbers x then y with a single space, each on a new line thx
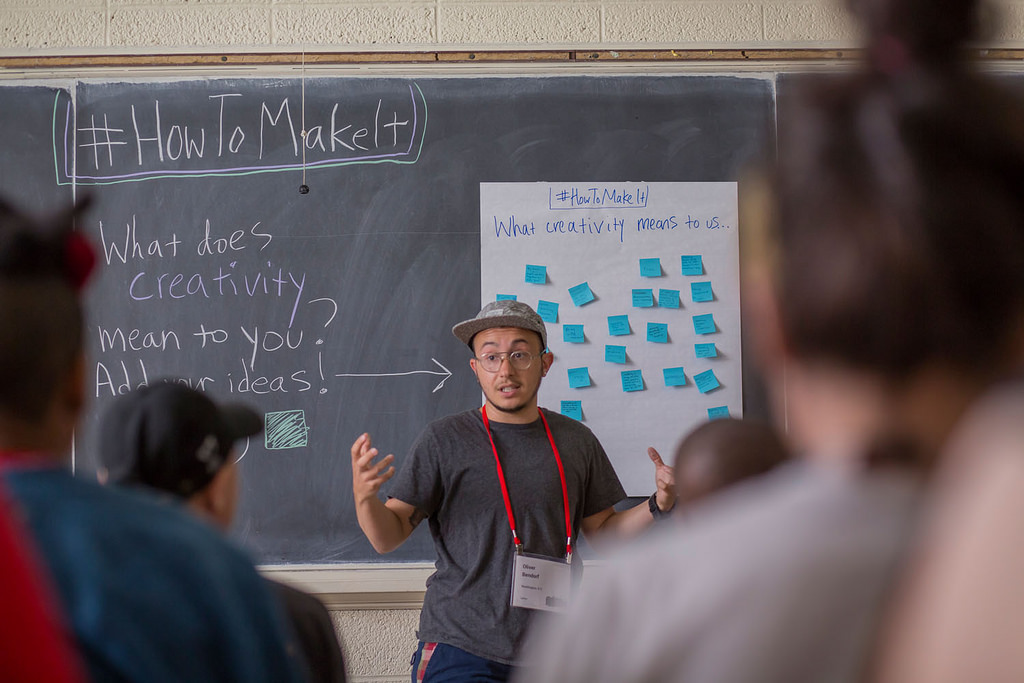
303 188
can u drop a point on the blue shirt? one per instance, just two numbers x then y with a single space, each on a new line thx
150 593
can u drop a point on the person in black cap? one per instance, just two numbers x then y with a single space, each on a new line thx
171 438
149 593
507 488
176 440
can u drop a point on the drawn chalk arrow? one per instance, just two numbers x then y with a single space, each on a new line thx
446 373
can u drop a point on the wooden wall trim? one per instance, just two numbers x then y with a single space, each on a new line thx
43 62
604 56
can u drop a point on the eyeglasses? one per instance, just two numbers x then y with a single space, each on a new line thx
520 360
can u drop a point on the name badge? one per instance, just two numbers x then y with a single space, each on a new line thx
540 583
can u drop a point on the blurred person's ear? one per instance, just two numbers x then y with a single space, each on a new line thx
763 315
1018 344
759 259
218 499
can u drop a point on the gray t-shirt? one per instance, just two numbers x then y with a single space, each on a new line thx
776 580
450 475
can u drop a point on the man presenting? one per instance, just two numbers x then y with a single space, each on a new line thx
506 489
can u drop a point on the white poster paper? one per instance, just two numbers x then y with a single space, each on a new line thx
639 286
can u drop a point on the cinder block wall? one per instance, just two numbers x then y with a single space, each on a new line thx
76 26
378 643
269 24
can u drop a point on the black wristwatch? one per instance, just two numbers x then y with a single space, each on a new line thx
656 512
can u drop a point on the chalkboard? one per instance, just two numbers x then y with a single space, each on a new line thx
27 172
330 311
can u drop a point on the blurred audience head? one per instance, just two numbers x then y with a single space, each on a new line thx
723 452
906 35
176 440
884 242
44 263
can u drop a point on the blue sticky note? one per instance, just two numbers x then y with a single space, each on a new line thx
701 291
668 298
657 333
705 350
573 334
650 267
693 264
536 275
643 298
579 377
632 380
581 294
548 311
618 325
614 354
504 297
718 413
702 324
706 381
674 377
573 409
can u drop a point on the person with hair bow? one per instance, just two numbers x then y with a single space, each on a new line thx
148 593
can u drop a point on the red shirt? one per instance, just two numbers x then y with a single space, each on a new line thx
33 645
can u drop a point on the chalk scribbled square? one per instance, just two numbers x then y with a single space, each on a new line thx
285 429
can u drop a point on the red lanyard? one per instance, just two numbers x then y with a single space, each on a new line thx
504 487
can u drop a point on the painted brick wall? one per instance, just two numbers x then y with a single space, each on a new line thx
97 26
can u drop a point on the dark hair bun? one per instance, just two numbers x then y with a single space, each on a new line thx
904 33
49 248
